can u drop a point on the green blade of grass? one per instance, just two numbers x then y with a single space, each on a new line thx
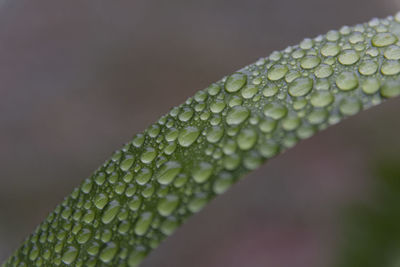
199 149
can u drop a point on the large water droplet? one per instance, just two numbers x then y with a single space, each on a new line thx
300 87
270 90
168 172
330 50
349 106
383 39
110 212
143 176
237 115
69 255
217 106
235 82
310 62
167 205
348 57
246 139
214 134
188 135
392 52
249 91
277 72
370 86
321 99
390 67
346 81
275 111
83 236
390 89
143 224
127 163
108 253
148 155
101 200
368 67
202 172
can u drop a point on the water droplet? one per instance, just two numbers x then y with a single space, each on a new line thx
249 91
270 90
143 176
143 223
235 82
330 50
268 149
223 182
390 67
267 125
332 36
136 256
275 111
323 71
246 139
167 205
252 160
317 116
200 96
277 72
213 89
188 135
310 62
108 252
202 172
110 212
168 172
138 140
383 39
321 99
69 255
300 87
392 52
370 86
346 81
186 114
197 203
290 123
349 106
101 200
368 67
390 89
127 163
83 236
214 134
237 115
348 57
217 106
148 155
356 38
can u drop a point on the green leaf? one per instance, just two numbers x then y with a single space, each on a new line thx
199 149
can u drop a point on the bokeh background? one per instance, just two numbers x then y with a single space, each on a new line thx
79 78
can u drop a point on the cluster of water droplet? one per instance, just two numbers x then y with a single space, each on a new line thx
200 148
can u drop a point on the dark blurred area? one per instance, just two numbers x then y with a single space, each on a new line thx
79 78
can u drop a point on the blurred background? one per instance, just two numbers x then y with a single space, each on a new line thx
79 78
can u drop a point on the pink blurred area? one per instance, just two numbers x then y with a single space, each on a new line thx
79 78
